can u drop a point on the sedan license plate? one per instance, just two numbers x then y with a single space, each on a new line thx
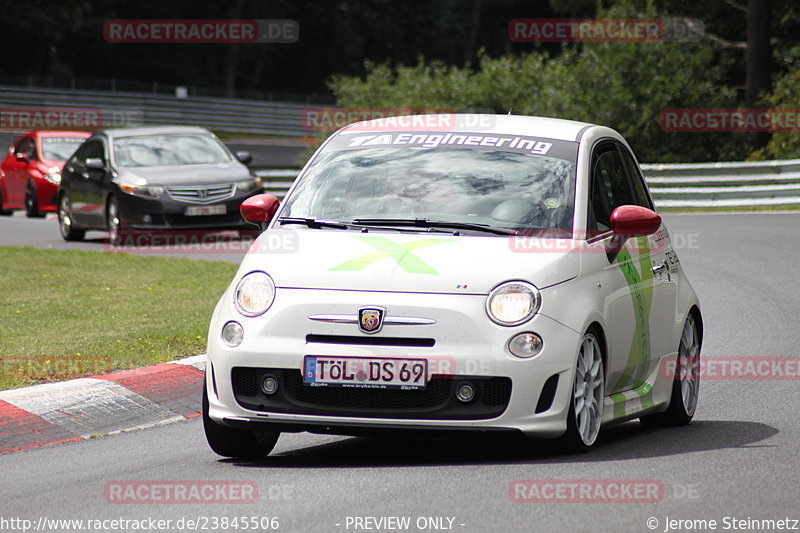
198 210
365 372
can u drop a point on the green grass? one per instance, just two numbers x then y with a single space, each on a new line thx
70 313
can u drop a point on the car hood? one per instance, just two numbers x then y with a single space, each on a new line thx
386 261
184 174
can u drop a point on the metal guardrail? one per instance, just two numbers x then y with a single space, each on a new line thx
220 114
697 185
730 185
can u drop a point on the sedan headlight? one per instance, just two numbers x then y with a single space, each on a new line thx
53 175
142 190
512 303
248 185
254 294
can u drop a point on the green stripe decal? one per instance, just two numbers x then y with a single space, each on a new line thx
645 394
403 255
641 288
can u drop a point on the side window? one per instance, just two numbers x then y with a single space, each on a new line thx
26 147
610 187
89 150
640 196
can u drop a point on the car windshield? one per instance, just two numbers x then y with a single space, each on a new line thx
497 188
59 148
168 150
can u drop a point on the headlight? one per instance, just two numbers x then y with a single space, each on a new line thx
53 175
512 303
254 294
142 190
248 185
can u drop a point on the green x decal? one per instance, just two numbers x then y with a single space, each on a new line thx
403 254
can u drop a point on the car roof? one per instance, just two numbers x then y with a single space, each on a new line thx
56 133
551 128
152 130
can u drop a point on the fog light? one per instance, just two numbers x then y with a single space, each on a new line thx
465 392
525 345
269 385
232 334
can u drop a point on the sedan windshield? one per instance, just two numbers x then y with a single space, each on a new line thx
168 150
59 148
495 188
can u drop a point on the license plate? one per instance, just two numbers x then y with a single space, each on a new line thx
365 372
198 210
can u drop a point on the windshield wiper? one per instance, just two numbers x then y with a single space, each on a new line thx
313 222
427 223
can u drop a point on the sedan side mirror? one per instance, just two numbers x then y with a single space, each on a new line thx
244 157
21 157
259 209
95 163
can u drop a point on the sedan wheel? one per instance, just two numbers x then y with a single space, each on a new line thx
68 230
32 202
686 382
588 390
112 221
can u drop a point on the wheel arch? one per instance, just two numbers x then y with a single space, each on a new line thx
596 328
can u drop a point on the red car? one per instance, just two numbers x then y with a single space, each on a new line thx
31 172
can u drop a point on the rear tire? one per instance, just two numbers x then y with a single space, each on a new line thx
586 401
232 442
686 382
32 202
68 230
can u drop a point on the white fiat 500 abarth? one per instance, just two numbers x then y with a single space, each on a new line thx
467 273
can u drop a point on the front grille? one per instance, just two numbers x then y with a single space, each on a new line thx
201 194
369 341
437 401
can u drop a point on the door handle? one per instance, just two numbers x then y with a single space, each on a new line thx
660 268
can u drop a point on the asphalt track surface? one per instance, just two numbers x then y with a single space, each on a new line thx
738 459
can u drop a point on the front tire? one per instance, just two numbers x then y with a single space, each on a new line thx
112 221
588 392
4 212
686 382
68 230
232 442
32 202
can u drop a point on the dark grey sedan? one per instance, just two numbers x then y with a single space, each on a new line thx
153 179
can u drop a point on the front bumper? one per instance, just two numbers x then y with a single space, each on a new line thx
163 213
528 395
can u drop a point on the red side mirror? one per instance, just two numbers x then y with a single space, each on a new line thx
634 221
259 209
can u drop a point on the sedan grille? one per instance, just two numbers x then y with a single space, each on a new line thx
201 194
